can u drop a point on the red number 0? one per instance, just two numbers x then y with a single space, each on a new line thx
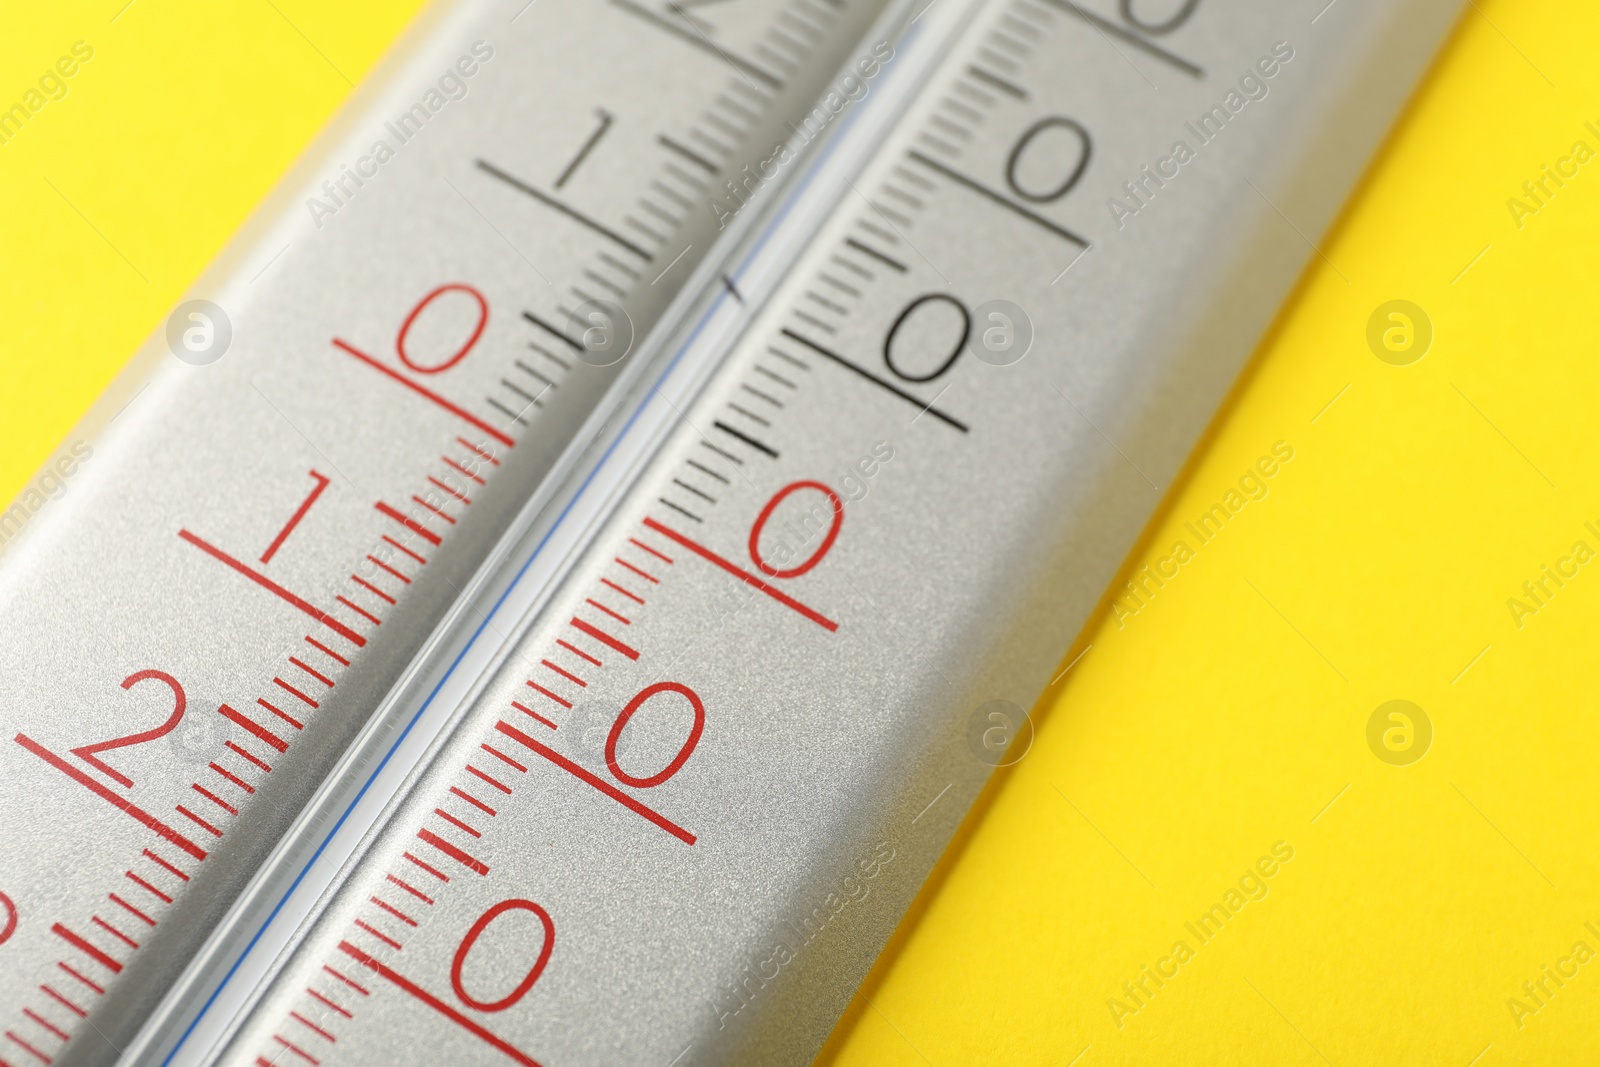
834 523
87 752
10 926
472 938
683 753
461 353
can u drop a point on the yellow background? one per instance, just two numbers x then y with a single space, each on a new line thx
1231 711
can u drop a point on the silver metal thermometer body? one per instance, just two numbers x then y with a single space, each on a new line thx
718 760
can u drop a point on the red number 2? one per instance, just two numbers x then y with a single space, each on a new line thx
87 752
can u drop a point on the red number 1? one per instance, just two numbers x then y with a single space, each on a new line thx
294 520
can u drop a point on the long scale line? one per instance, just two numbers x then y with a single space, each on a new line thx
744 576
1128 36
571 213
273 587
874 379
139 815
697 40
373 966
601 784
86 948
455 409
985 191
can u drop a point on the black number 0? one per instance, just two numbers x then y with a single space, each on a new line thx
1053 122
1156 29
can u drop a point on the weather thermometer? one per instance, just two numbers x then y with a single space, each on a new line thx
728 690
